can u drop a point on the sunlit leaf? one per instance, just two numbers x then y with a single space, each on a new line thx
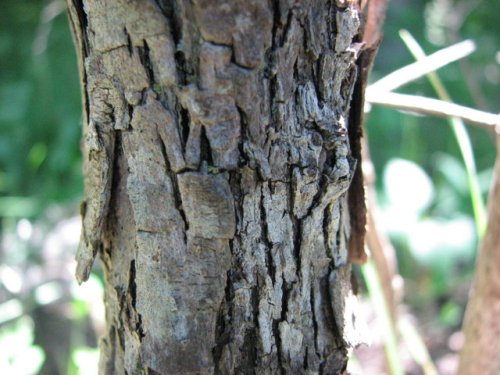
18 354
409 188
86 360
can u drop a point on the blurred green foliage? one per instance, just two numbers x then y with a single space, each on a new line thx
40 106
19 354
392 133
436 243
40 186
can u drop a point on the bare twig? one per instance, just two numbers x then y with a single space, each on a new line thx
49 13
434 107
460 133
420 68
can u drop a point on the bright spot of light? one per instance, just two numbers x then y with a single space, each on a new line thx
10 310
452 239
24 229
408 187
86 359
11 279
48 293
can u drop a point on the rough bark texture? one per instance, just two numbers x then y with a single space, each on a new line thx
217 164
481 326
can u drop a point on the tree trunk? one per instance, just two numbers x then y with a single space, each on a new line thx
481 326
217 150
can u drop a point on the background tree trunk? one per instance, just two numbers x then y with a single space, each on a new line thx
481 325
217 161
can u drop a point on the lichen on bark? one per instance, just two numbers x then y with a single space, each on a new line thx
217 166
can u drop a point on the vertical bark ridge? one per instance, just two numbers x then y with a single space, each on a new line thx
79 23
217 170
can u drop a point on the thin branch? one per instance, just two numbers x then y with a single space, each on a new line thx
422 67
434 107
381 250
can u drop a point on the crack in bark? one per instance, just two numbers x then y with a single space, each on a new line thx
284 308
129 42
276 21
315 68
131 283
81 31
183 70
287 26
111 358
132 290
222 334
277 338
326 232
323 187
130 109
271 269
314 321
273 87
305 364
250 342
145 60
82 18
243 157
113 183
183 121
297 242
205 149
285 291
170 11
296 223
329 27
175 187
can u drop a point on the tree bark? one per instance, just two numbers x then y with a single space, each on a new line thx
217 165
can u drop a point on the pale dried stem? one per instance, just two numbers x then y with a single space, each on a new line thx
381 249
435 107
